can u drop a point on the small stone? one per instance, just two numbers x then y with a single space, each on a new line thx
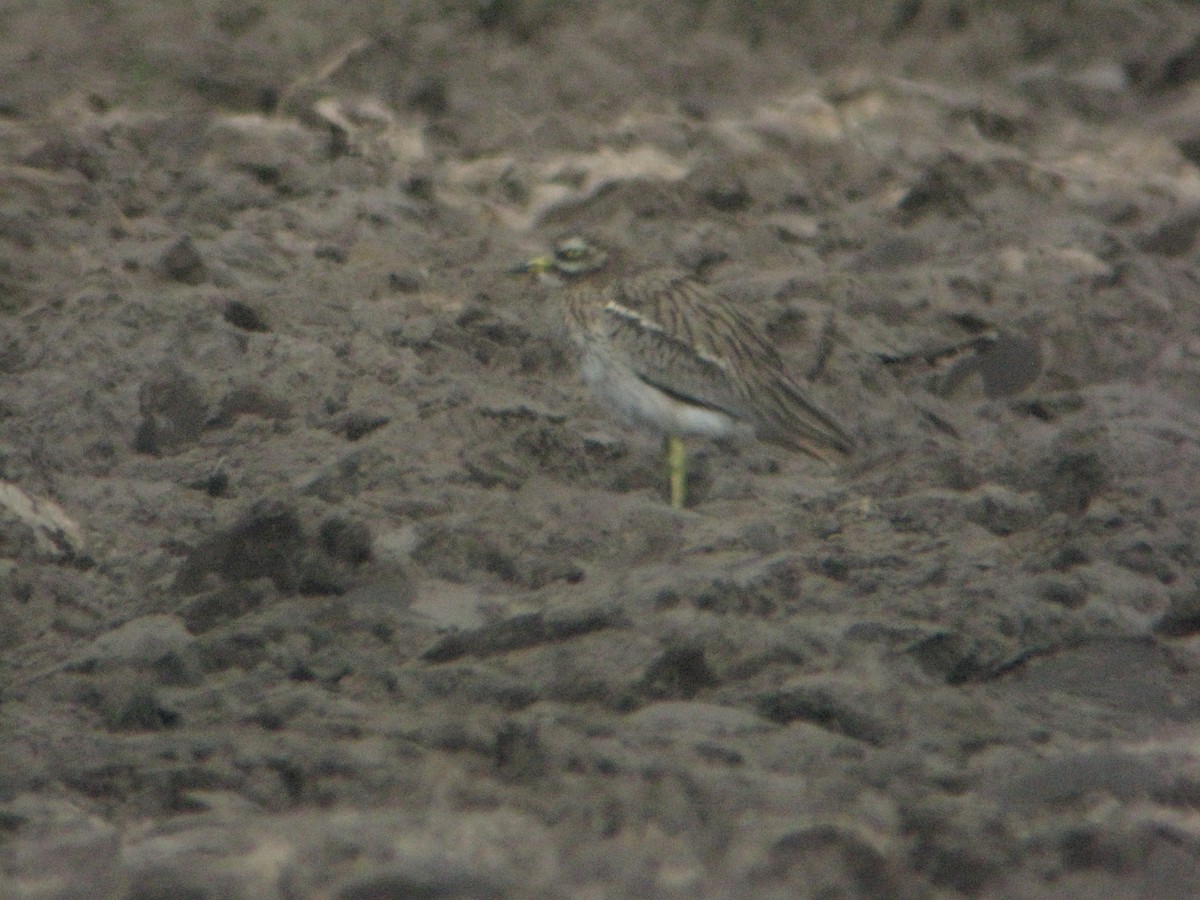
141 642
173 411
242 315
1182 618
182 261
346 540
795 228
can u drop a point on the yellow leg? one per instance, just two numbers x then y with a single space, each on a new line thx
677 466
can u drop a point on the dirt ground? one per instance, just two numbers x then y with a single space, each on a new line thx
321 575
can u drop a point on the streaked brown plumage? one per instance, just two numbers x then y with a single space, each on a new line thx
675 357
679 337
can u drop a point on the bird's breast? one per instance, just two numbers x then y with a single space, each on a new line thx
647 407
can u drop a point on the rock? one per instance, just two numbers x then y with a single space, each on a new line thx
140 642
183 262
37 528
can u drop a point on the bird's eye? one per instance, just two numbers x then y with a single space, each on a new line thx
571 254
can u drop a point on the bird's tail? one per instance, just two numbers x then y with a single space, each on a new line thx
788 417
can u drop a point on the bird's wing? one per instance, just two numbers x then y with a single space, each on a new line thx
657 324
679 336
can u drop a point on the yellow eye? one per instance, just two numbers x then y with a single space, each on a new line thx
575 256
573 249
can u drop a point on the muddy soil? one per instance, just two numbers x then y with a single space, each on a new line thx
321 575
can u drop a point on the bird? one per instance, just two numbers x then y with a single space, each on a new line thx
676 358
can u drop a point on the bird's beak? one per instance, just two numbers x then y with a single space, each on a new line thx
539 265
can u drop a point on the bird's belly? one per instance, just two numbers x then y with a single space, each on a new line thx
647 407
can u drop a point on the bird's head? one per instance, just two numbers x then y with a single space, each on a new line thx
572 257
